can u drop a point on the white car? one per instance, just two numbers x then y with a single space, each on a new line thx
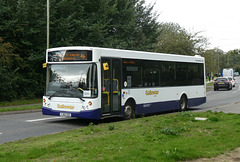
232 80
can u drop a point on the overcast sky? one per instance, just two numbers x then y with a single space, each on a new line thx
219 20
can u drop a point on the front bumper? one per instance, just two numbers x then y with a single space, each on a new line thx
88 114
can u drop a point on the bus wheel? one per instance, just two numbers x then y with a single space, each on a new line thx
183 103
128 112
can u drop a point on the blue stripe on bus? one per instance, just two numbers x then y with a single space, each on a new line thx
89 114
196 101
156 107
164 106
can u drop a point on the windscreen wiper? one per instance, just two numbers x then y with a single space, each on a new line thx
54 94
62 91
82 92
81 99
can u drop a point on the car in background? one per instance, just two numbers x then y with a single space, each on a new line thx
231 79
222 82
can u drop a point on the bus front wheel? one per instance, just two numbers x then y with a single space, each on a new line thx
128 111
183 103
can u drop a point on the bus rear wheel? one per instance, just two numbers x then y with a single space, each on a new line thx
183 103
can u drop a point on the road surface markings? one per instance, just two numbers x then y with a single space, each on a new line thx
236 91
238 88
35 120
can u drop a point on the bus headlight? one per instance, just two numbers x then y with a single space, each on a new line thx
45 102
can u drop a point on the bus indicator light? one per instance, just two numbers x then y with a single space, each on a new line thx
90 103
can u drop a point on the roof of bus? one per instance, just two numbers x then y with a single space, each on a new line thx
108 52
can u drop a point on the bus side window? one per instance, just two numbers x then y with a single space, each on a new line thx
107 85
115 85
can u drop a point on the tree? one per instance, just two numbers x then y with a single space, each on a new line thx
125 24
233 59
9 63
174 39
214 60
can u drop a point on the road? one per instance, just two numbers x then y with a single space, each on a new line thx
20 126
222 100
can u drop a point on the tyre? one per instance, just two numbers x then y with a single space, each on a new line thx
128 111
183 103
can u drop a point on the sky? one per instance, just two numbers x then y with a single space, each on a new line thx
217 20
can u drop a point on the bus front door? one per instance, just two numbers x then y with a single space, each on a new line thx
111 89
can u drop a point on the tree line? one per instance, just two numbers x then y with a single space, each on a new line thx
122 24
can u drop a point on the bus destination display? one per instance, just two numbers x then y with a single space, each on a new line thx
70 55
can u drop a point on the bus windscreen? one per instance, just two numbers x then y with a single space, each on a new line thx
72 80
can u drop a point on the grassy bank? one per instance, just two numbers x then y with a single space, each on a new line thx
20 102
21 108
19 105
170 137
209 86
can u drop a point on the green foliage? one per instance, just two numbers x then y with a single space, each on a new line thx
21 108
21 102
186 114
90 129
169 131
232 59
111 127
212 57
103 23
213 119
216 60
174 39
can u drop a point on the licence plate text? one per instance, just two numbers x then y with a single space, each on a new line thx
66 114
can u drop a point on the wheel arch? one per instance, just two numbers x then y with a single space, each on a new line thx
183 94
131 101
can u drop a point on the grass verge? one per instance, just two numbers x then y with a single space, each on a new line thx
209 86
21 108
20 102
170 137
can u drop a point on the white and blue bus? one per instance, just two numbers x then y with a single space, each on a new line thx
94 83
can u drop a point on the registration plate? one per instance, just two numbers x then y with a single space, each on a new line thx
221 83
66 114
